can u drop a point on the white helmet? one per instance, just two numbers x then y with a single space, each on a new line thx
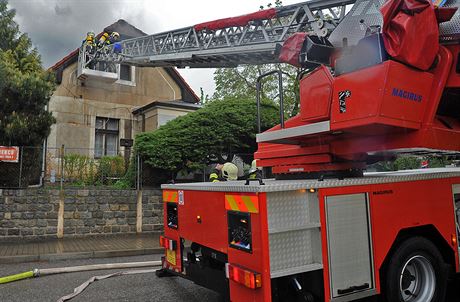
253 166
115 35
230 171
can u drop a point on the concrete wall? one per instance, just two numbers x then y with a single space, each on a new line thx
151 84
37 214
75 104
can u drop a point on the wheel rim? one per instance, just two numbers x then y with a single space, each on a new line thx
417 282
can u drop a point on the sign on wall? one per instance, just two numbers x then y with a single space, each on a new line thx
126 142
9 154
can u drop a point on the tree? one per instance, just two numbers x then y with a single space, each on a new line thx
217 131
25 88
240 82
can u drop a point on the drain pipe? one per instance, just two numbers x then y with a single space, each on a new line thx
72 269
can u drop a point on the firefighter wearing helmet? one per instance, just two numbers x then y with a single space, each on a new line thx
114 37
89 41
254 172
227 171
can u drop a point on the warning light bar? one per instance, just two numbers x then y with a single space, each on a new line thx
242 276
168 243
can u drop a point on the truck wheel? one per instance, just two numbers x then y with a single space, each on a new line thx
415 273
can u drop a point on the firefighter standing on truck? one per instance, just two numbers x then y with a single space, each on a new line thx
255 172
227 171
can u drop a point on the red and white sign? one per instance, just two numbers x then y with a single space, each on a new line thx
425 164
9 154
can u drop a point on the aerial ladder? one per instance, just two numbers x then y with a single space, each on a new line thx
249 39
322 230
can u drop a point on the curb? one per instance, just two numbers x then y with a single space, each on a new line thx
80 255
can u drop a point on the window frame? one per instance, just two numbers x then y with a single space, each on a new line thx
104 132
132 82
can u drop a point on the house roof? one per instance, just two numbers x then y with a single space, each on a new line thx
128 31
169 104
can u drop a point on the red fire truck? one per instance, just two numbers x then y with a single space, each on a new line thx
378 81
321 231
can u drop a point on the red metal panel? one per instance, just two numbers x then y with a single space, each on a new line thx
211 229
391 92
410 205
406 93
309 159
316 95
454 77
395 207
257 260
276 150
441 74
366 94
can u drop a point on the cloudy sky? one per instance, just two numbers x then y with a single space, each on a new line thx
57 27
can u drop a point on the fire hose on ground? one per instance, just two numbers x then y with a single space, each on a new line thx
72 269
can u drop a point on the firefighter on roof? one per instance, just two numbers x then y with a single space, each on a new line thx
227 171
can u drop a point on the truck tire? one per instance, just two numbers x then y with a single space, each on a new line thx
415 273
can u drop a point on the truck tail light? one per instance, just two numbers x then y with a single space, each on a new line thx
242 276
168 243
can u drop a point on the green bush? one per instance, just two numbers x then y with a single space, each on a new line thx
217 131
81 170
111 169
75 166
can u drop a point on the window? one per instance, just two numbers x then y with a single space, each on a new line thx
126 75
106 139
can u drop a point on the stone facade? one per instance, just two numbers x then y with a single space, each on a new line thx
33 213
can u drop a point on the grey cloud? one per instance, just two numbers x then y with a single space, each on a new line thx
58 27
62 10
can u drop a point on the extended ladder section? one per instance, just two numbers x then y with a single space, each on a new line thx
248 39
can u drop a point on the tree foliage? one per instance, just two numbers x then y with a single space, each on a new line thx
220 129
240 82
25 87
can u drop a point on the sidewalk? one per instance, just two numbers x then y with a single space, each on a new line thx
80 248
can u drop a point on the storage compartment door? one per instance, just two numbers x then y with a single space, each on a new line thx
349 248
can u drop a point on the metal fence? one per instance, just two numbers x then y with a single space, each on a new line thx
70 167
82 168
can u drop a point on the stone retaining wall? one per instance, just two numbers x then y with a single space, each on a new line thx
34 213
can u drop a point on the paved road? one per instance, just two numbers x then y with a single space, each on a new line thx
143 287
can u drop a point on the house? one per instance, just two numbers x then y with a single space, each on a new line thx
94 109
